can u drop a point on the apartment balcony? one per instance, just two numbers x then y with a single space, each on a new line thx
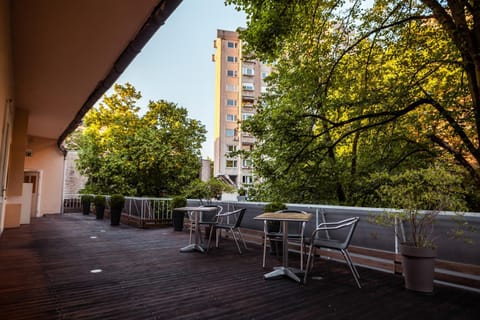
72 266
247 139
248 95
248 106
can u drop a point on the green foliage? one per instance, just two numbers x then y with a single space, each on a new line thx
274 206
213 188
86 198
117 201
242 192
179 201
419 195
99 200
123 152
274 226
360 88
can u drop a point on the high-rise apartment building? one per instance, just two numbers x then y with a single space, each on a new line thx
239 83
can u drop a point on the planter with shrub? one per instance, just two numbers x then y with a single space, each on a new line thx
178 216
100 203
117 201
418 196
86 200
276 245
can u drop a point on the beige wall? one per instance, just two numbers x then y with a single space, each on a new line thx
6 96
17 154
47 159
15 169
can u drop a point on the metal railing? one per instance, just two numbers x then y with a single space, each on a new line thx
72 203
149 210
144 210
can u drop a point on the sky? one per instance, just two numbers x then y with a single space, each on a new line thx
176 64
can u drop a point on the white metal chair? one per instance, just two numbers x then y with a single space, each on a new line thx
340 241
229 221
295 233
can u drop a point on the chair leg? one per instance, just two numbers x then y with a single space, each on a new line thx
217 239
307 266
241 237
352 267
264 249
301 254
236 241
191 231
352 264
210 237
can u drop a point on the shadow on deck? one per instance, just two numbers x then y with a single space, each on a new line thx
45 273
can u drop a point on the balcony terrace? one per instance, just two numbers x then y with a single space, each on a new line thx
46 273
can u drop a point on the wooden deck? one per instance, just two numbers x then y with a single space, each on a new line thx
45 273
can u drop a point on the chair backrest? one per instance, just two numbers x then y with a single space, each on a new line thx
352 225
240 214
237 216
211 216
348 225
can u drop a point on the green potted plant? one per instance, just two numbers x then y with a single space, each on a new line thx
418 196
100 202
242 194
274 226
117 201
86 200
177 216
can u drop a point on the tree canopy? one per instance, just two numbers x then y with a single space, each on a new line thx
121 151
361 87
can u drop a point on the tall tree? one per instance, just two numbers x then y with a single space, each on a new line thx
123 152
359 88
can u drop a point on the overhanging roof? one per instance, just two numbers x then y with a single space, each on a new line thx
68 53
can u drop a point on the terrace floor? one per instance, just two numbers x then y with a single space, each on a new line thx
45 274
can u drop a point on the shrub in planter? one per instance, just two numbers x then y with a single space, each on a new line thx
274 226
177 216
242 194
117 201
100 202
86 200
418 197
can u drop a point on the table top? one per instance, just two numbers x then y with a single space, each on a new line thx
196 209
284 216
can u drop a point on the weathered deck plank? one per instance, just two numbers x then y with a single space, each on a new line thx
45 274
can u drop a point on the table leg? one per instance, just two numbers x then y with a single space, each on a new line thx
284 270
194 246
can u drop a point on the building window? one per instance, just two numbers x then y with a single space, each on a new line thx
231 148
248 71
264 75
231 117
248 86
231 163
231 59
229 132
231 44
231 73
246 163
231 102
231 88
246 116
247 179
